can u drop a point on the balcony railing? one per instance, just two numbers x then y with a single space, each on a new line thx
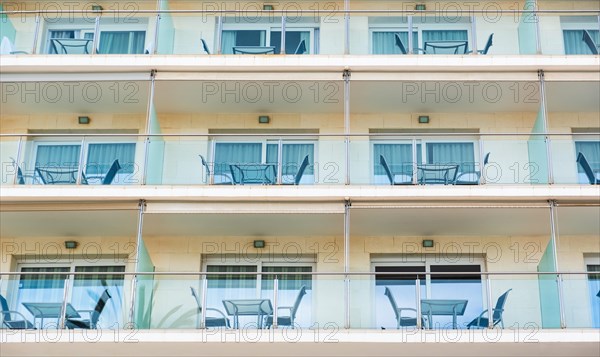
174 300
441 28
445 159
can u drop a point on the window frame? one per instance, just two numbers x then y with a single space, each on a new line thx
270 27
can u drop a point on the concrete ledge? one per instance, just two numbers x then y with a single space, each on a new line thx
286 342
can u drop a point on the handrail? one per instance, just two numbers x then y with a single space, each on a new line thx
316 273
448 12
283 135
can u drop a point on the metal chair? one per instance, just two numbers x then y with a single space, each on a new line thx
289 319
404 179
222 321
587 169
92 321
56 176
300 172
482 322
224 179
301 49
205 46
472 177
8 321
401 46
488 44
587 38
401 321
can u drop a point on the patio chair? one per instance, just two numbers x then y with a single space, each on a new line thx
205 46
221 321
488 44
587 169
301 49
395 179
223 179
481 321
401 46
8 321
587 38
289 319
401 321
106 179
300 172
56 176
92 321
472 177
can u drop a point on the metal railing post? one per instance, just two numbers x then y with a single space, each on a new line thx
547 140
156 34
346 77
80 163
474 35
276 302
96 41
410 34
490 309
347 264
16 163
36 35
418 303
63 306
282 43
203 298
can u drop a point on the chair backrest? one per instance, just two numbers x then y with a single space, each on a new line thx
301 170
587 38
99 307
205 164
400 44
205 46
488 44
4 305
587 169
500 306
388 293
196 298
486 159
301 294
301 49
112 172
388 172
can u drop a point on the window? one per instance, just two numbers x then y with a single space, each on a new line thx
99 156
115 37
399 156
574 44
291 153
84 294
594 289
250 286
591 150
441 286
267 32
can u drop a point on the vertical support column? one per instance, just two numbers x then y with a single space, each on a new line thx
211 162
411 45
279 161
347 205
554 240
96 41
63 307
545 127
418 302
275 302
148 125
538 37
490 308
142 207
481 161
346 76
36 35
414 161
346 27
219 33
80 163
17 164
283 20
474 35
156 30
203 299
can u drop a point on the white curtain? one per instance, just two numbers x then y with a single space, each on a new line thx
236 153
452 153
101 156
228 40
384 43
397 156
122 42
57 156
574 44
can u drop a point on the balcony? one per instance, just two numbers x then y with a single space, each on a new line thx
200 28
